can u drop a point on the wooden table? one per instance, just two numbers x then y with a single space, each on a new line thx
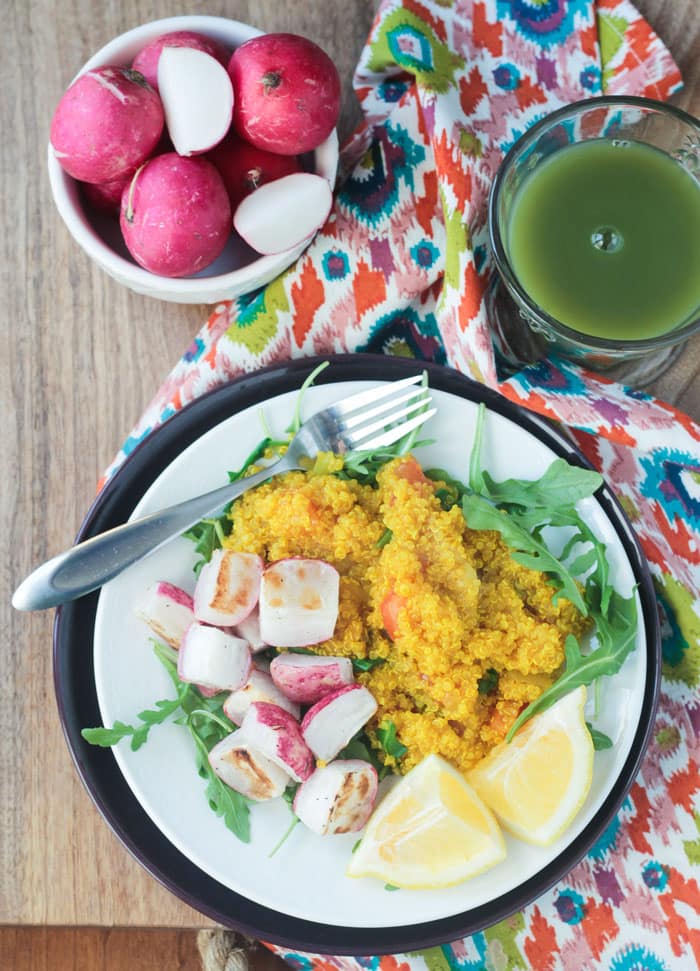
82 358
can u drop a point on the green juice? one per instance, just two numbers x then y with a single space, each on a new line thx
606 239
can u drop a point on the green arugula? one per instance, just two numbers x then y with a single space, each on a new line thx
488 684
367 663
386 736
520 510
600 739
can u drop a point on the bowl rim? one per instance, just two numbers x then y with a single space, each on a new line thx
65 189
76 693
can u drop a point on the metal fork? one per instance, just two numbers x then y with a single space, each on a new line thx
368 421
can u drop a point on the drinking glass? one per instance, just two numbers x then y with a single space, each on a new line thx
524 331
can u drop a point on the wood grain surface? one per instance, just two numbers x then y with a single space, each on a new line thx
82 358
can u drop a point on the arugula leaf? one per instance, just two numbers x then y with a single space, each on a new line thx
560 485
390 886
367 663
386 736
206 730
529 551
600 739
385 538
489 683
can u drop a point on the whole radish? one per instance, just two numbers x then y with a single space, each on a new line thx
105 196
244 168
175 215
286 93
146 61
106 124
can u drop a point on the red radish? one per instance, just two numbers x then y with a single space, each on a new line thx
331 723
212 658
244 168
258 687
244 768
197 99
337 798
249 630
287 93
283 213
298 602
175 215
307 678
105 196
275 733
168 611
227 588
106 124
146 61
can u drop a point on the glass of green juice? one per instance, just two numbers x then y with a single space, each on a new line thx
594 225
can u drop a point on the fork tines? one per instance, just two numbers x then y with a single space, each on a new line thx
382 424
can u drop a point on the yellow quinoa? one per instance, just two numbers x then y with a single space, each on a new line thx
446 607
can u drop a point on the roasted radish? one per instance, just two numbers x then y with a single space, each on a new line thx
227 588
213 658
329 725
244 768
298 602
168 611
275 733
249 630
307 678
337 798
258 687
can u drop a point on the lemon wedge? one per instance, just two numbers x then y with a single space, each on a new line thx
430 831
537 783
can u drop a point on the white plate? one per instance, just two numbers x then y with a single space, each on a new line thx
305 879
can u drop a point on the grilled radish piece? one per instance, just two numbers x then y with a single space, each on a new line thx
258 687
275 733
213 658
306 678
168 611
329 725
244 768
298 602
337 798
228 587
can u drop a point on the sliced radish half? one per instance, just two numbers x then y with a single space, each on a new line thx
213 658
227 588
197 97
331 723
298 602
282 214
168 611
244 768
337 798
307 678
258 687
275 733
249 630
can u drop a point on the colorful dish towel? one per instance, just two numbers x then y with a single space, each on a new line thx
401 267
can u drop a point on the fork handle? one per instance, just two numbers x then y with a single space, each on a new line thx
89 564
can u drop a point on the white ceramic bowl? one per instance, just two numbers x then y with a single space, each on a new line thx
239 269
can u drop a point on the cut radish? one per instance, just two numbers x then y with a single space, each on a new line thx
258 687
197 97
167 610
331 723
213 658
244 768
337 798
283 213
249 630
307 678
228 587
275 733
298 602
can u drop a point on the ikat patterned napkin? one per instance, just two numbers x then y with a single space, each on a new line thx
401 267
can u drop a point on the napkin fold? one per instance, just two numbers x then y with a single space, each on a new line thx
402 267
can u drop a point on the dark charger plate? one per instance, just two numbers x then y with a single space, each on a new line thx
77 699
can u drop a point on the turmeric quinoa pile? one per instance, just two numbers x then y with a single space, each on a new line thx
468 636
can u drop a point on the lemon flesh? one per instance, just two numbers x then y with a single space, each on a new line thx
537 783
430 831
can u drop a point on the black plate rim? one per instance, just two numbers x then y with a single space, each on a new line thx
98 770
